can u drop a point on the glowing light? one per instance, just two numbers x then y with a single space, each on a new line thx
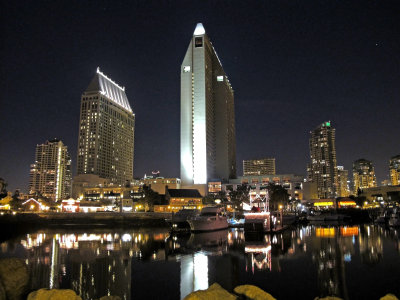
199 30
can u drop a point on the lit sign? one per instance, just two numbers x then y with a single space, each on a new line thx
328 203
325 232
186 69
220 78
349 231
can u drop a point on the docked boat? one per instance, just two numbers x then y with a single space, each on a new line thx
210 218
179 220
328 217
394 219
257 222
383 217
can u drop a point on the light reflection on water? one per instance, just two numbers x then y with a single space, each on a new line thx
151 263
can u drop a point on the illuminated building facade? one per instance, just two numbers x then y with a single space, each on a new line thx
343 187
258 184
106 131
264 166
50 175
208 147
394 168
323 167
363 175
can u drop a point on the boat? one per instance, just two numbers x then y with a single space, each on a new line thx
394 219
328 217
257 222
210 218
179 220
383 217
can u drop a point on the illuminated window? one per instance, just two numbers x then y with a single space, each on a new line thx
220 78
186 69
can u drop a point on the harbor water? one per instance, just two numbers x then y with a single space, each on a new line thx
351 262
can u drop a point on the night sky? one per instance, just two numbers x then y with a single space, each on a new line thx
292 64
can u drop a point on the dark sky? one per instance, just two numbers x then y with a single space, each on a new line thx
292 64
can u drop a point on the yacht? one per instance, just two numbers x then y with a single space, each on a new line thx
394 219
210 218
179 220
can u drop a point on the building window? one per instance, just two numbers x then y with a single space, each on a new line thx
220 78
198 42
186 69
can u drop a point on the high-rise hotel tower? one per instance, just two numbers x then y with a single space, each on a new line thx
323 166
106 131
208 146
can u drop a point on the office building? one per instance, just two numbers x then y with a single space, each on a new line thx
208 148
263 166
50 175
394 168
323 166
363 175
106 131
343 187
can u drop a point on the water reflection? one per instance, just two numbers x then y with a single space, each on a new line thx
128 263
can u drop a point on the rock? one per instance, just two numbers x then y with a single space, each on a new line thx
213 292
253 292
2 291
54 294
389 297
14 278
110 298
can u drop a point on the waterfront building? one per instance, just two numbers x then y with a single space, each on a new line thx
159 184
363 175
50 174
343 187
258 184
323 165
263 166
394 168
178 199
106 131
208 147
388 193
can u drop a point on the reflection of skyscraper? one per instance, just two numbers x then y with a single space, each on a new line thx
106 131
208 148
50 175
323 169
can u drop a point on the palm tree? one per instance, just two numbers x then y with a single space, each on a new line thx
278 195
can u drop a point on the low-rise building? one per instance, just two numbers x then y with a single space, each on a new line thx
178 199
258 184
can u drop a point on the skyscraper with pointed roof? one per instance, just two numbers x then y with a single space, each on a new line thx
106 131
208 143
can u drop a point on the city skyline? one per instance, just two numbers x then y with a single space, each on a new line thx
303 64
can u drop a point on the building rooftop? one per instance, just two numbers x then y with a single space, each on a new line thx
101 83
184 193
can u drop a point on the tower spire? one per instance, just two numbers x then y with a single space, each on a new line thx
199 30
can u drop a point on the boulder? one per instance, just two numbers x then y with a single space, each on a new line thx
54 294
14 278
389 297
215 291
253 292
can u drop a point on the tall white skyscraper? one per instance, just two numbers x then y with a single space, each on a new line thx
106 131
208 143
